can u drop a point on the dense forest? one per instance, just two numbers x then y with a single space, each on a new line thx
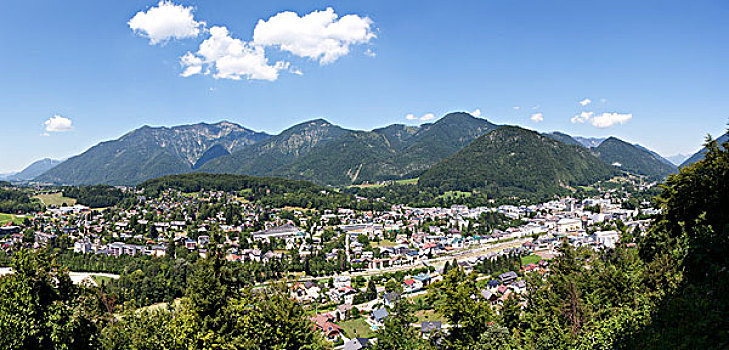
98 196
15 201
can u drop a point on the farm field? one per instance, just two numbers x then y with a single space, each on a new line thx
10 218
55 199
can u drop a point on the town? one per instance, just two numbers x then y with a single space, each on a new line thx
347 267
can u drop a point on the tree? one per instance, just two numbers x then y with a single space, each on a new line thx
371 293
397 334
511 313
40 308
459 300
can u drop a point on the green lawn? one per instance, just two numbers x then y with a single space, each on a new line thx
99 279
6 218
530 259
356 328
454 194
55 199
383 243
428 315
407 181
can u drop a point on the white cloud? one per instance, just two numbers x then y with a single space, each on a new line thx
370 53
476 113
319 35
229 58
57 123
428 116
607 120
535 107
584 102
516 108
424 117
164 22
603 100
537 117
582 117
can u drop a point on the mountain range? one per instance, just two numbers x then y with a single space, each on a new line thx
327 154
150 152
31 171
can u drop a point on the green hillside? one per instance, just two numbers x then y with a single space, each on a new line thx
633 158
329 155
511 161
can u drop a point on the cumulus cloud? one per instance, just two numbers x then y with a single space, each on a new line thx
606 120
58 123
164 22
476 113
228 58
582 117
516 108
537 117
320 35
424 117
584 102
323 36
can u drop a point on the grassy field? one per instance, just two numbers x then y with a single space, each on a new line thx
530 259
6 218
356 328
367 185
55 199
428 315
407 181
383 243
100 279
454 194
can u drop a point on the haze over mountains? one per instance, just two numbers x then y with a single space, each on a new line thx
327 154
31 171
700 154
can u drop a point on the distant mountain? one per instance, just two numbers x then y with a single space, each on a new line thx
633 158
589 141
4 176
678 158
267 157
315 150
700 154
33 170
564 138
514 161
148 153
335 156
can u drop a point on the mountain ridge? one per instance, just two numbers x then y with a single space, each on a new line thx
513 161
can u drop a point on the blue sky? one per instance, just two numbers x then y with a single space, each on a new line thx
659 67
